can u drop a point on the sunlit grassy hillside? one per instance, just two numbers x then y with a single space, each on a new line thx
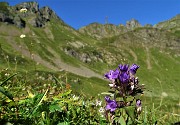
58 49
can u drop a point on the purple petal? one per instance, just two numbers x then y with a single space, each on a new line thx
107 99
112 74
124 78
134 68
111 105
123 68
138 103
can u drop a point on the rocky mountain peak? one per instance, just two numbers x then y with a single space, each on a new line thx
32 7
132 24
99 31
16 15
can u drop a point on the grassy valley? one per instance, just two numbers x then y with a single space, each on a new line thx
81 59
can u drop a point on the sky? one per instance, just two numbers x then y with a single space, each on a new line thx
79 13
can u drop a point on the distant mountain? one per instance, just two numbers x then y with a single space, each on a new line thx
99 31
40 40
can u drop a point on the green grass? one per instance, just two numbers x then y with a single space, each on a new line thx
162 77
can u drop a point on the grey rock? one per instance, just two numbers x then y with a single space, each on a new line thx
6 18
132 24
37 17
19 22
85 58
32 7
47 13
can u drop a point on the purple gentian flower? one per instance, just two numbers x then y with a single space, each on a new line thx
124 78
112 74
134 68
138 106
110 104
107 98
123 68
138 103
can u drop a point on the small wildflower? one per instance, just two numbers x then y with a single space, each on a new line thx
111 104
133 69
111 75
98 103
6 74
124 78
75 98
123 68
23 10
138 106
22 36
101 110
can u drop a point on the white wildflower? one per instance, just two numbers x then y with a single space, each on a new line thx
22 36
6 74
75 97
23 10
98 103
101 110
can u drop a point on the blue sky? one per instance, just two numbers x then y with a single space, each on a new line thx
78 13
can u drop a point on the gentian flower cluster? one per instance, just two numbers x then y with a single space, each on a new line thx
123 79
124 84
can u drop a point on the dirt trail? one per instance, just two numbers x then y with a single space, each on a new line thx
148 59
82 71
133 54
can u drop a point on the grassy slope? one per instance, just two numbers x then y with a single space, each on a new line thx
162 77
159 71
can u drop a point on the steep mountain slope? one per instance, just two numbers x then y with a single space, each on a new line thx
46 38
51 45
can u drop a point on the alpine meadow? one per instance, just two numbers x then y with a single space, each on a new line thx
53 74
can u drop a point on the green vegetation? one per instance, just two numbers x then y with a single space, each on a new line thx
4 7
48 61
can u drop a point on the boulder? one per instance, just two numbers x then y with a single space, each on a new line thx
19 22
132 24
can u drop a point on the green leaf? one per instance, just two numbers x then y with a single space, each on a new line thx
65 93
63 123
6 93
2 83
122 120
130 112
39 103
54 108
107 93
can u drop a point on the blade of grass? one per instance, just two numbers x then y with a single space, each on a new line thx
58 81
39 103
2 83
6 93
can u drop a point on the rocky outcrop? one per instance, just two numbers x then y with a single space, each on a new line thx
32 7
9 19
100 31
6 18
86 57
19 22
132 24
44 15
37 17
